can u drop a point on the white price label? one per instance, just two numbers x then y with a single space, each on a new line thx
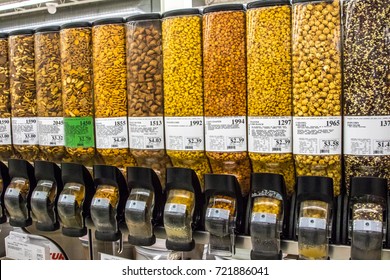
111 133
226 134
5 131
51 131
25 131
367 135
175 208
270 134
136 205
217 213
67 199
20 250
367 225
184 133
317 135
100 202
146 133
315 223
258 217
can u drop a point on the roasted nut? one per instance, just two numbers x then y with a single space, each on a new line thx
22 85
366 77
267 205
223 202
225 83
5 103
144 85
183 82
110 96
269 79
76 73
367 211
48 83
317 77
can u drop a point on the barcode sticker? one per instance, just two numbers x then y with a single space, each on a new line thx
367 225
39 195
11 192
67 198
217 213
136 205
175 208
315 223
100 202
259 217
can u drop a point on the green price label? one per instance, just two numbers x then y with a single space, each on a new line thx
79 132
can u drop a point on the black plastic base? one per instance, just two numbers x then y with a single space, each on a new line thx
47 227
178 246
74 232
3 219
265 256
146 241
17 223
107 236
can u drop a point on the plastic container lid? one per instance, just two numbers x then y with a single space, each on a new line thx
222 184
268 182
3 35
148 16
80 24
108 21
224 8
22 32
266 3
368 186
54 28
314 188
181 12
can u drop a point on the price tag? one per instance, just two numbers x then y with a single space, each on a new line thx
226 134
25 131
184 133
175 208
5 131
315 223
111 133
51 131
146 133
136 205
317 135
367 225
364 135
79 132
258 217
217 213
270 134
23 250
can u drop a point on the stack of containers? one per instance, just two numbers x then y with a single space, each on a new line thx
183 90
145 92
49 93
317 89
366 89
23 94
76 73
224 57
269 88
110 96
5 104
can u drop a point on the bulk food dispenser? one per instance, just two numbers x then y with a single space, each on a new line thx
223 214
144 207
45 195
365 222
266 210
75 199
182 211
313 216
4 181
18 193
108 203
